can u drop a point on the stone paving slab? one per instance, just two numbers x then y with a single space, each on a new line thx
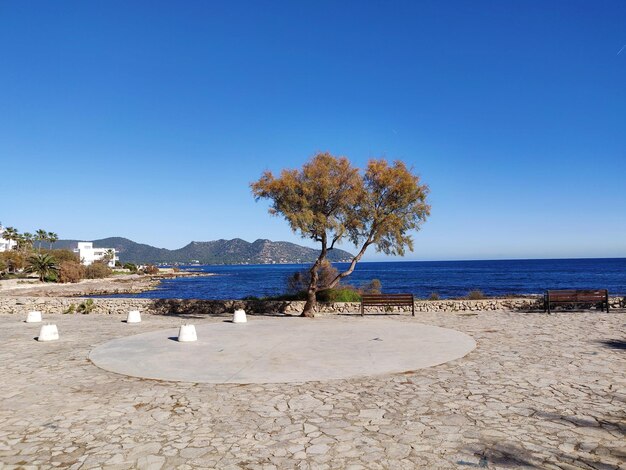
539 391
275 350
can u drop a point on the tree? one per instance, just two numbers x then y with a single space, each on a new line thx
27 241
52 238
43 265
329 200
10 234
41 236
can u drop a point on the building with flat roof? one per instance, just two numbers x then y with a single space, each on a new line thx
6 245
88 254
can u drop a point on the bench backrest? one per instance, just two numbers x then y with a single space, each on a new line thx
387 299
578 295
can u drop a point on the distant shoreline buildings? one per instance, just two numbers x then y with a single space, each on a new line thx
6 245
88 254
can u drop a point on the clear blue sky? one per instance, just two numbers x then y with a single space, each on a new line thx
149 119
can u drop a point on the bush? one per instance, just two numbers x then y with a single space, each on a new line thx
151 269
64 255
71 271
342 294
14 260
132 267
71 309
86 307
300 280
97 271
433 296
374 287
475 295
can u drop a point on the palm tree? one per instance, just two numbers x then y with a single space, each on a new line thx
41 235
28 239
11 234
43 265
52 238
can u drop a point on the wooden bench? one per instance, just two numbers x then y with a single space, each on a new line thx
559 297
387 300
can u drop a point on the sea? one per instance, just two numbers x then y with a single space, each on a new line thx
448 279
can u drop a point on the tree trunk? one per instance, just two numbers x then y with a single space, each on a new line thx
309 306
311 299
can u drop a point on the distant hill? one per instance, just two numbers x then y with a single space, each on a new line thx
236 251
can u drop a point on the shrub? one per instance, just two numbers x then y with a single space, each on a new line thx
475 295
71 271
118 264
97 271
374 287
433 296
300 280
342 294
132 267
64 255
151 269
70 309
14 260
86 307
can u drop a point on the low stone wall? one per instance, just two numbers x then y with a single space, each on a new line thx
121 306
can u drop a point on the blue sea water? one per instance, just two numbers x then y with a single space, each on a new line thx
446 278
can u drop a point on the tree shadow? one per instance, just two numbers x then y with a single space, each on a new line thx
614 344
492 454
618 425
500 454
194 308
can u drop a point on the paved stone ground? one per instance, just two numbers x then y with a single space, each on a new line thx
538 392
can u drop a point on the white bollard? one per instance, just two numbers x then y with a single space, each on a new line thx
48 333
134 316
187 333
33 317
240 316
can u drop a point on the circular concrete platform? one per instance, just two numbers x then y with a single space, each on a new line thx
282 350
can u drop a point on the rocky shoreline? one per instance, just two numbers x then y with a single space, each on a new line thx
190 308
124 284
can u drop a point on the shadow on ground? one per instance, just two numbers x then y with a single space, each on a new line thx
614 344
193 308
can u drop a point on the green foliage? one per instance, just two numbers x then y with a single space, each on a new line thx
71 309
434 296
342 294
97 270
86 307
131 267
3 265
43 265
475 295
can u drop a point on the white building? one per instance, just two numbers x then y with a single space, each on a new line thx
6 245
88 254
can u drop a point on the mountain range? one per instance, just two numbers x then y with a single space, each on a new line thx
235 251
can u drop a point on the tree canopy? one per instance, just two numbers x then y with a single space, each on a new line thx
329 200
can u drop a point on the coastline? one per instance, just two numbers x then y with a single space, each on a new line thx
120 284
